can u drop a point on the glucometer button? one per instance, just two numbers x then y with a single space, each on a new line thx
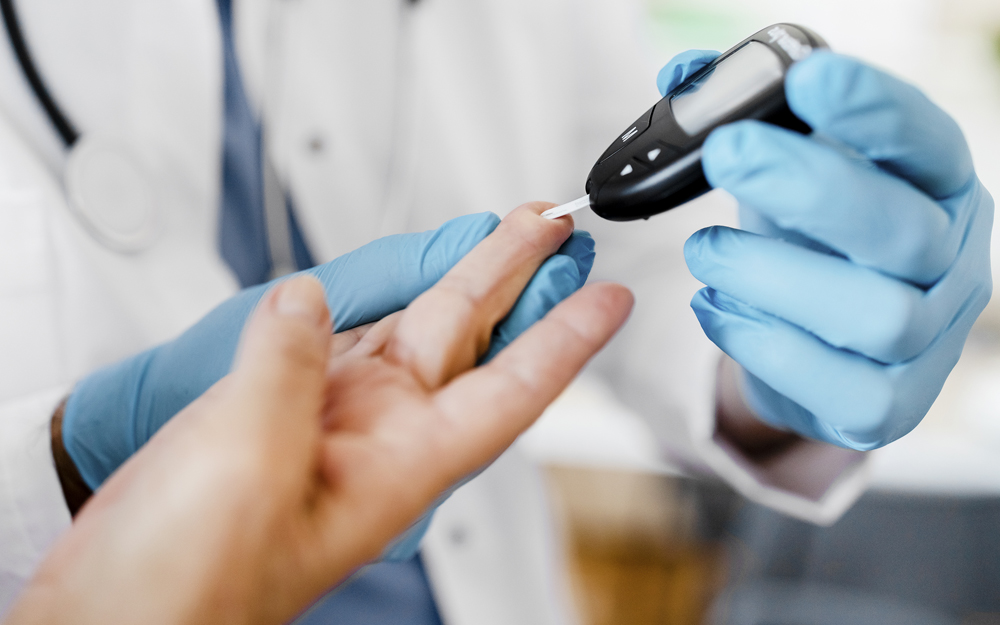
630 168
656 154
636 129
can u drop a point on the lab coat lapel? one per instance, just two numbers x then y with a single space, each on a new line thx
325 76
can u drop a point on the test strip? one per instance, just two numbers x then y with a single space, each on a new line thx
566 209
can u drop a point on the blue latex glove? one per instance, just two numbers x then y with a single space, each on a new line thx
113 412
864 258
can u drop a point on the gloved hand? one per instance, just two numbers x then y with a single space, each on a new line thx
864 258
113 412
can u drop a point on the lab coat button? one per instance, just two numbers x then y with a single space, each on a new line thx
458 536
316 144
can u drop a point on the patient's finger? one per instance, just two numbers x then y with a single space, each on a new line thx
446 329
281 368
374 340
345 341
491 405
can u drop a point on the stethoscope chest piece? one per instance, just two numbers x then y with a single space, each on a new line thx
111 194
107 187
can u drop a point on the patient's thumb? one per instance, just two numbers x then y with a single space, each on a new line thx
283 355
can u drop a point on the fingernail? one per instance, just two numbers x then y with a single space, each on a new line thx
302 297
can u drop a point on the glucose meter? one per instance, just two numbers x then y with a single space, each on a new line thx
655 164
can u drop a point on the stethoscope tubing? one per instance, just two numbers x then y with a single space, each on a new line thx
59 120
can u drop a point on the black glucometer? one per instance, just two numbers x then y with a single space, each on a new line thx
655 165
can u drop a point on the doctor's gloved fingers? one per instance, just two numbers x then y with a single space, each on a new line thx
387 274
448 328
580 247
853 399
681 67
558 278
873 218
779 412
491 405
891 122
916 385
844 304
754 221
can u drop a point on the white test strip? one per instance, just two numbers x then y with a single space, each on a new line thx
566 209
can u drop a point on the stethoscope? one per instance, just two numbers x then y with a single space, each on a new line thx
107 187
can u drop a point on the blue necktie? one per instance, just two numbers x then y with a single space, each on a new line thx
242 230
385 593
388 593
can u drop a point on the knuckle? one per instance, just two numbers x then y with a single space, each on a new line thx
875 408
891 328
459 295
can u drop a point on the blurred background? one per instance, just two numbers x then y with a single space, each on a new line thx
648 545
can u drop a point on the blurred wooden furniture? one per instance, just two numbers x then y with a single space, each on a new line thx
638 548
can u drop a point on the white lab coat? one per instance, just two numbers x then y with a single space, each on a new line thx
381 116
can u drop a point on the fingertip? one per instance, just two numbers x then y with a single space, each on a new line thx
681 67
289 335
717 311
624 295
695 246
617 300
709 249
597 311
724 152
820 84
701 303
303 298
536 207
528 219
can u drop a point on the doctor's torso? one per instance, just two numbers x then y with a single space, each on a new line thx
381 117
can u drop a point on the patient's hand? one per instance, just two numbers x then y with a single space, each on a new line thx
316 451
